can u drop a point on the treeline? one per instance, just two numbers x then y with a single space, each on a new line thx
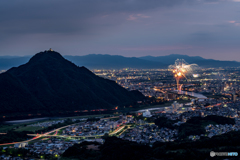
13 136
164 122
22 153
196 125
93 119
113 148
118 149
193 126
200 149
81 152
213 118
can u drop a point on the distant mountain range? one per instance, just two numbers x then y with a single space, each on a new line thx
49 83
100 61
7 62
201 62
170 59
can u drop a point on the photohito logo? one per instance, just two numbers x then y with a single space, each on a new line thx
212 153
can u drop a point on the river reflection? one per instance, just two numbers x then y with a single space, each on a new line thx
197 95
30 120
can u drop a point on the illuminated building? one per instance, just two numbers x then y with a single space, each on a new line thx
147 114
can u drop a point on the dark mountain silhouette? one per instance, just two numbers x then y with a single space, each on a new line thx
50 83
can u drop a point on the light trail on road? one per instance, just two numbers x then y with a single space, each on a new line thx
46 134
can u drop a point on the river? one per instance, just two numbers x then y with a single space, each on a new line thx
30 120
197 95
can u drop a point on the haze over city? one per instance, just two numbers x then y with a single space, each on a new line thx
207 28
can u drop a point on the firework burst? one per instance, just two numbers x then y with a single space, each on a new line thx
181 69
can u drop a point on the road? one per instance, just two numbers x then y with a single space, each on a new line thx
37 136
46 134
64 136
117 130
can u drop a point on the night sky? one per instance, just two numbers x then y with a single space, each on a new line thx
132 28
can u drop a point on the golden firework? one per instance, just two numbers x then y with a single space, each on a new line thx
180 69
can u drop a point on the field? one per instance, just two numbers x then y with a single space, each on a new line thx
24 126
5 128
28 128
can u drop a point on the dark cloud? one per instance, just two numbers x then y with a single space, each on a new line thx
61 16
109 26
